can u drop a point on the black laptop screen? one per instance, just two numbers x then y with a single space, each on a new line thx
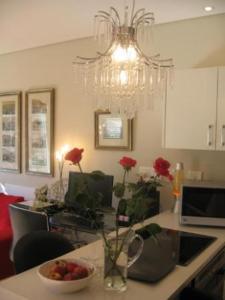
103 186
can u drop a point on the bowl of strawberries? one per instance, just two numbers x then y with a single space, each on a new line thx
66 275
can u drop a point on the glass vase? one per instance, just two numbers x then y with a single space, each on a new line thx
116 260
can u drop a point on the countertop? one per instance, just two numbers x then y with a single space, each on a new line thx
27 285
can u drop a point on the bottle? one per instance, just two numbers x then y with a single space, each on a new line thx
177 183
178 179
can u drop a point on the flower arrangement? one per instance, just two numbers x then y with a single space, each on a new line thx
134 205
136 208
142 194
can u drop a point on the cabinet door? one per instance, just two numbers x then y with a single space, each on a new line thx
220 141
190 110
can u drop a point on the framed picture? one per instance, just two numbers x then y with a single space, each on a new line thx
113 132
10 132
40 132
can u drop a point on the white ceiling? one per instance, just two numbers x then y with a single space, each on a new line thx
31 23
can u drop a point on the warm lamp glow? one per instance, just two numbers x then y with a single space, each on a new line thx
65 149
61 153
58 155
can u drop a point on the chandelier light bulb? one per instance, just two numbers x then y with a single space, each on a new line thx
123 77
124 55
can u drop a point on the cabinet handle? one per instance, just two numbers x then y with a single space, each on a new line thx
210 135
222 135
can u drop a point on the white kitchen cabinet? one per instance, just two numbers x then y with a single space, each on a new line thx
220 135
195 110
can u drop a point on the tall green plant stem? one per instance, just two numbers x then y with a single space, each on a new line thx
61 187
79 166
124 176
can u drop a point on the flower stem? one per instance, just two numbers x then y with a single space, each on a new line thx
124 176
115 257
79 166
61 187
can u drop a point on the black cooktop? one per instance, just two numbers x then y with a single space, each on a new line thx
171 248
190 245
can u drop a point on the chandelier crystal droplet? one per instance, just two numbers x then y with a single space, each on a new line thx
122 77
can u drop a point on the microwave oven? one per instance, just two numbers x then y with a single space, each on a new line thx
203 204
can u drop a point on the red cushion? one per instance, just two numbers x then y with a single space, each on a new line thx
5 234
5 200
6 268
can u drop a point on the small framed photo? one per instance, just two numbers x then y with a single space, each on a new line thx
10 132
40 132
112 131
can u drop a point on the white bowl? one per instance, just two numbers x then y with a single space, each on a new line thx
70 286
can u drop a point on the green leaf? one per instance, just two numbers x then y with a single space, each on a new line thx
121 210
153 229
132 186
138 207
119 190
97 175
131 207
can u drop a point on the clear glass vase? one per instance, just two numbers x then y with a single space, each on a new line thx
116 260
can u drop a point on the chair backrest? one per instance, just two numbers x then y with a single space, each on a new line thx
37 247
5 201
24 221
103 186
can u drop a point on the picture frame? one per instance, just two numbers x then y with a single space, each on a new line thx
39 124
113 131
10 131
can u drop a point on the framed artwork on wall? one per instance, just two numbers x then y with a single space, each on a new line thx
10 131
112 131
39 121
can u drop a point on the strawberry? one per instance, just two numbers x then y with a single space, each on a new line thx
75 276
60 269
68 276
71 266
82 272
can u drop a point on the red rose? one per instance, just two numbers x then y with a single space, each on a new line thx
75 155
127 163
161 167
170 177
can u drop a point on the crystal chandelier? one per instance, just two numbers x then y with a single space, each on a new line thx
122 76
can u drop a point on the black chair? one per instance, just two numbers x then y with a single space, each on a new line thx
37 247
24 221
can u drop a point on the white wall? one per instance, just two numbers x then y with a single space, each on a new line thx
193 43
